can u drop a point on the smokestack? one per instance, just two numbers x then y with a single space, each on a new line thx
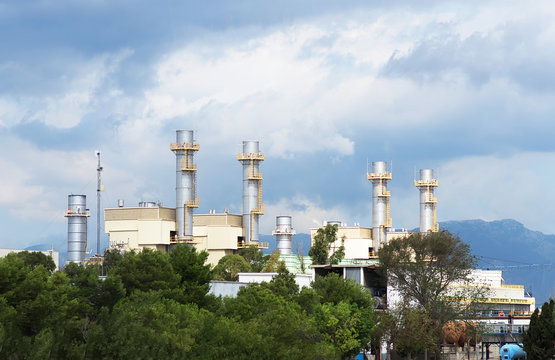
428 202
185 183
251 157
380 202
77 214
283 233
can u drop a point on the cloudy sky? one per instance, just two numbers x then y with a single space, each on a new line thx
466 88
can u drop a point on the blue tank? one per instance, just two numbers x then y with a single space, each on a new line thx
512 352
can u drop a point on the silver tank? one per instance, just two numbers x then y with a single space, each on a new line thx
252 196
380 202
185 180
283 233
76 214
428 201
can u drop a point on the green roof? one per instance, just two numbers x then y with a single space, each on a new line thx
294 263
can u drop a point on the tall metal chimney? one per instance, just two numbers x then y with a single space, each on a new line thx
185 183
76 214
283 233
252 190
380 202
428 202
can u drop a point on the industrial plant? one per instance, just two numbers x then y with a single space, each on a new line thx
151 225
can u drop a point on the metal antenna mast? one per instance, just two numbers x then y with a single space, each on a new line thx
98 190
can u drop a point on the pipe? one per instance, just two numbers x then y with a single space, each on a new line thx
428 202
381 220
185 183
250 158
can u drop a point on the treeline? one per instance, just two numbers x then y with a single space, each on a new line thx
154 305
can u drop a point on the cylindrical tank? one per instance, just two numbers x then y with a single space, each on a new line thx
252 187
512 352
121 203
76 214
283 233
380 202
185 181
426 184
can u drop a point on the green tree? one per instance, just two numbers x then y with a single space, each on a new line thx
321 250
145 326
33 259
273 262
334 289
422 267
146 270
112 257
255 257
539 340
283 284
230 266
338 324
195 274
414 332
279 326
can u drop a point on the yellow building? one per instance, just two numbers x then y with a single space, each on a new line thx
135 228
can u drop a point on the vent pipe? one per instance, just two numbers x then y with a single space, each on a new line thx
381 220
428 203
251 157
76 214
185 183
284 233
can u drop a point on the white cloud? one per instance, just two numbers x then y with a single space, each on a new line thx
77 94
494 187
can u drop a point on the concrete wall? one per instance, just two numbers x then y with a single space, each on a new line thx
300 279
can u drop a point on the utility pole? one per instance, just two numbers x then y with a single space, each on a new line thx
98 190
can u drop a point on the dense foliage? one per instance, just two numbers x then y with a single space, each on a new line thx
154 305
422 268
539 340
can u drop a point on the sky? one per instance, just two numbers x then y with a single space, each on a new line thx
465 88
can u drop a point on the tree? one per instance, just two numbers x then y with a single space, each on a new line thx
321 248
147 270
539 340
334 289
283 284
230 266
145 326
422 267
195 274
255 257
414 332
273 262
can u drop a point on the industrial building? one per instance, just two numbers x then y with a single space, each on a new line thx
153 226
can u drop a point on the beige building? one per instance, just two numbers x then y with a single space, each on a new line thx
357 240
135 228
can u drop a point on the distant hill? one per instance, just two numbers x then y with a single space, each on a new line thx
509 246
